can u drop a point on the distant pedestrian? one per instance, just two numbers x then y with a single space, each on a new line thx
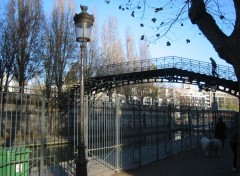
214 67
234 145
220 130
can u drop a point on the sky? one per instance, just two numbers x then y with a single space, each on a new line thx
199 47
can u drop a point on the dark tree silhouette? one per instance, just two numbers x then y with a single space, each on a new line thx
24 20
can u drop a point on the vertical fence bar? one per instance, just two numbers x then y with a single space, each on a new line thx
1 110
74 121
192 118
43 135
14 130
157 128
140 133
182 129
170 127
203 123
117 135
135 136
197 125
86 121
25 119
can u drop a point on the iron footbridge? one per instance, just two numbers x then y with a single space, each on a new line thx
164 69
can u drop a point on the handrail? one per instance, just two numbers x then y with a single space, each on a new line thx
196 66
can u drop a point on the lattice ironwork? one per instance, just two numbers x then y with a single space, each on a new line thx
164 69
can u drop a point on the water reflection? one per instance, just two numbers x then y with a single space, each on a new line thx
57 153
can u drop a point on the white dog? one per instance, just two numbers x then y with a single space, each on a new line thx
211 147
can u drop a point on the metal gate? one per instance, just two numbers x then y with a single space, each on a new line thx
103 137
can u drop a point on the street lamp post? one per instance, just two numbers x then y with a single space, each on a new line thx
83 28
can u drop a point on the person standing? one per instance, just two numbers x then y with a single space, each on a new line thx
220 130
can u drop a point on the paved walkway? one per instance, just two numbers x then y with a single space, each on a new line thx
192 163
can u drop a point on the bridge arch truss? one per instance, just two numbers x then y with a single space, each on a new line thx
166 69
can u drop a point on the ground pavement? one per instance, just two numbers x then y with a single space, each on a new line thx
192 163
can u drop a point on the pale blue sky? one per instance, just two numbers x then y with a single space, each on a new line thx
199 48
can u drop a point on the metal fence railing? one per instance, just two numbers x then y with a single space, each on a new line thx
34 139
196 66
124 136
40 137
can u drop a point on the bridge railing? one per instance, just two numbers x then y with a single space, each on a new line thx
224 72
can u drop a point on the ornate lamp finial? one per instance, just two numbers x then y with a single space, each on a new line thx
84 8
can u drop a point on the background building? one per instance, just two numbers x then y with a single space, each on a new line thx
190 95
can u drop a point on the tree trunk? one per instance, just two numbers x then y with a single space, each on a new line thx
227 47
